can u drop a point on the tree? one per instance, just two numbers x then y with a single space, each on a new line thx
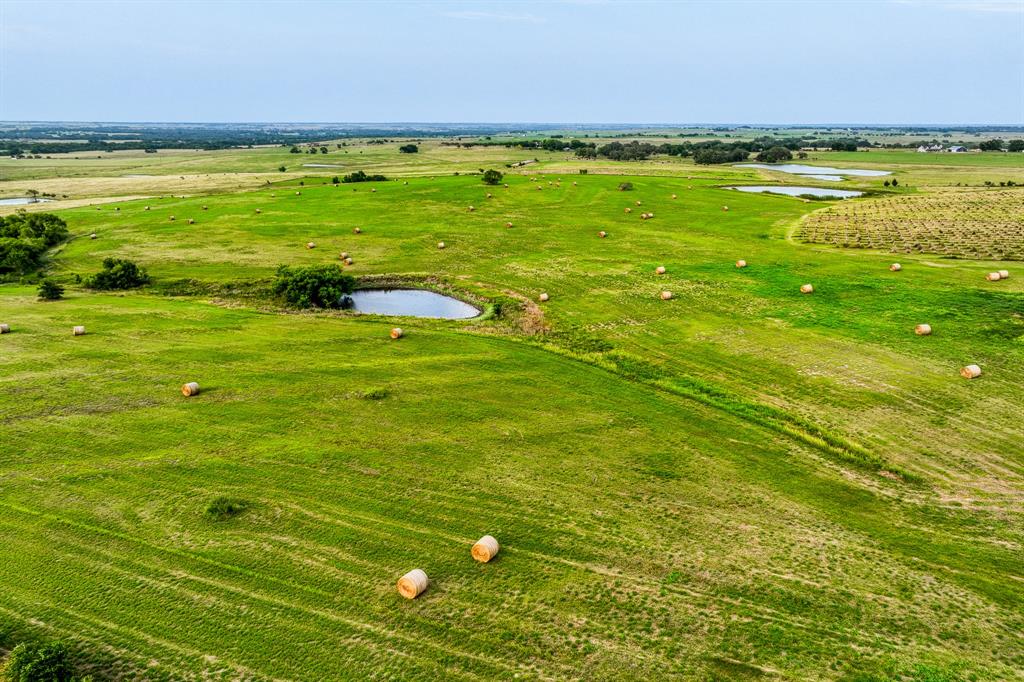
995 145
492 177
39 663
282 169
117 273
295 150
50 290
1015 146
361 176
313 286
335 180
408 149
25 237
895 182
775 154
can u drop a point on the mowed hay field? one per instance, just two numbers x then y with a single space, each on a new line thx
740 482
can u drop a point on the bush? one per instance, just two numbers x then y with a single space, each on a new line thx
39 663
25 237
335 180
408 149
50 291
282 169
492 177
361 176
313 286
223 508
117 273
625 186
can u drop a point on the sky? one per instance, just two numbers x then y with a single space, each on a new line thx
569 61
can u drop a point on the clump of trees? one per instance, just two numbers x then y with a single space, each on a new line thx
721 153
1015 146
35 662
774 155
313 286
361 176
117 274
995 145
50 290
25 237
409 149
492 177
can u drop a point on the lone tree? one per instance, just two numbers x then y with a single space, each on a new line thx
775 154
50 291
313 286
408 149
492 177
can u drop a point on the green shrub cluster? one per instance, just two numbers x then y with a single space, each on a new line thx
223 508
32 662
313 286
361 176
25 237
117 273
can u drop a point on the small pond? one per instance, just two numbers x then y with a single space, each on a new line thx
18 201
798 191
816 172
411 302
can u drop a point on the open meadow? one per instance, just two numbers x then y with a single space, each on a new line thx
739 481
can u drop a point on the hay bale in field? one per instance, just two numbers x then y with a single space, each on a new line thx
666 295
472 208
298 193
357 230
412 584
660 270
539 188
970 372
348 261
171 218
489 195
190 389
638 203
258 211
602 234
923 329
372 190
895 267
993 277
204 208
397 333
629 210
508 224
573 183
725 208
741 263
344 255
310 245
191 221
1004 274
485 549
806 289
117 209
506 185
92 236
5 328
543 297
78 330
440 245
674 196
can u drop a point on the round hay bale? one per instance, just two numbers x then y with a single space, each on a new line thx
440 245
741 263
489 195
895 267
1004 274
472 208
725 208
310 245
171 218
637 203
117 209
190 389
146 208
204 208
539 188
191 221
5 328
508 224
674 196
993 277
397 333
372 190
543 297
923 329
357 230
78 330
602 234
485 549
92 236
970 372
629 210
660 270
348 261
666 295
258 211
344 255
406 182
298 193
573 183
506 185
412 584
806 289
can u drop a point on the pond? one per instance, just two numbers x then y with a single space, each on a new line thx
410 302
790 191
816 172
18 201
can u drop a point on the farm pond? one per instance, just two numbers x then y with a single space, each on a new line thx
408 302
798 191
18 201
816 172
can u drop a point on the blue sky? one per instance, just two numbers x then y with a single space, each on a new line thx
585 61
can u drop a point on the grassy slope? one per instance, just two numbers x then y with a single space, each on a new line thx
645 534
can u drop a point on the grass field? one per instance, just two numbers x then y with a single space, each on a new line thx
743 482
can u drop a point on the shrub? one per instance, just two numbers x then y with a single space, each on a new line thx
282 169
625 186
50 291
313 286
117 273
39 663
408 149
492 177
335 180
223 508
775 154
24 238
361 176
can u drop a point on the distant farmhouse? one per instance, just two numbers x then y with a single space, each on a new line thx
956 149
